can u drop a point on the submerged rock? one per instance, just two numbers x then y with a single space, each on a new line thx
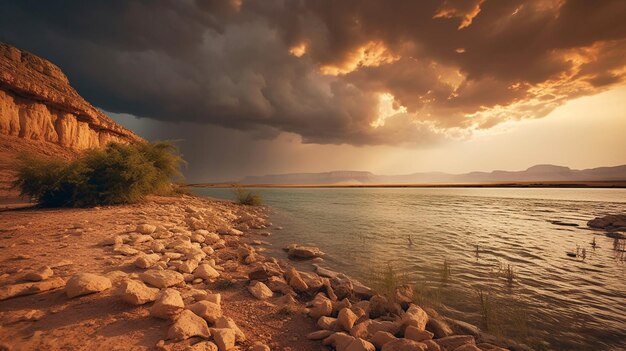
295 251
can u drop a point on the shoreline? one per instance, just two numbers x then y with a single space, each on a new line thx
564 184
304 310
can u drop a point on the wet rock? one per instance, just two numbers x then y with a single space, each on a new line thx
360 345
145 228
162 278
136 292
295 251
404 345
346 319
380 338
224 338
147 261
260 291
188 324
86 283
609 222
455 341
207 310
206 272
413 333
9 291
168 305
40 274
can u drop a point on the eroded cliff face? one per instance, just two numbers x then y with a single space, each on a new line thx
38 103
41 113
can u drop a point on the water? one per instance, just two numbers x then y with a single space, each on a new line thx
555 302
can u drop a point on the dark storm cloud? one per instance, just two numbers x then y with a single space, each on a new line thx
318 68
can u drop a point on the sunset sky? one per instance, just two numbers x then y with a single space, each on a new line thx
392 87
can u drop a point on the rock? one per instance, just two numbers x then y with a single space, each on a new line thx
404 295
328 323
260 291
413 333
188 266
147 261
346 319
415 316
303 252
468 347
126 250
226 322
224 338
340 341
296 281
207 310
609 222
145 228
206 272
433 346
168 304
259 346
136 292
162 278
9 291
380 338
366 329
230 231
319 334
188 324
203 346
86 283
379 306
322 306
440 328
360 345
404 345
40 274
455 341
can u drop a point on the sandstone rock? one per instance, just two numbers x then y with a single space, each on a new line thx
431 345
340 341
360 345
404 345
259 346
168 305
9 291
188 266
136 292
414 333
455 341
229 323
295 251
468 347
230 231
379 306
321 306
403 295
126 250
260 291
188 324
366 329
262 271
380 338
440 328
86 283
346 319
328 323
162 278
147 261
415 316
319 334
608 222
206 272
215 298
203 346
207 310
295 280
40 274
145 228
224 338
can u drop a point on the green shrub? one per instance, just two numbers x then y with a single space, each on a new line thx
246 197
117 174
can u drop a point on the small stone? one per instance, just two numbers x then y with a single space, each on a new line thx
360 345
319 334
380 338
147 261
169 304
136 292
86 283
415 316
188 324
162 278
145 228
413 333
404 345
188 266
207 310
226 322
346 319
259 346
206 272
40 274
260 291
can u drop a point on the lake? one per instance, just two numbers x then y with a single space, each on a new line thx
553 301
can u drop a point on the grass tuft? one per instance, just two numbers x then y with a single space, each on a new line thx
246 197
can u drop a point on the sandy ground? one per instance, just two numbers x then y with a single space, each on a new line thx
32 238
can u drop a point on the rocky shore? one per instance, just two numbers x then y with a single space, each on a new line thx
190 274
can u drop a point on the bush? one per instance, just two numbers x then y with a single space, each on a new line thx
117 174
245 197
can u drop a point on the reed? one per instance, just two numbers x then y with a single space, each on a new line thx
445 272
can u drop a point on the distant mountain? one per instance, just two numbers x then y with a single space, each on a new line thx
538 173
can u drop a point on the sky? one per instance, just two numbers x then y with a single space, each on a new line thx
255 87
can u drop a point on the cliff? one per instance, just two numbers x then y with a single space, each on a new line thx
40 112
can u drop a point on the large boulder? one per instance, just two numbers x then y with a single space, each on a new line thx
136 292
168 305
188 324
162 278
86 283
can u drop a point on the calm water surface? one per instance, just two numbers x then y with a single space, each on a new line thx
556 302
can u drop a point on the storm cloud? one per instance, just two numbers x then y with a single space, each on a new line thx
332 72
